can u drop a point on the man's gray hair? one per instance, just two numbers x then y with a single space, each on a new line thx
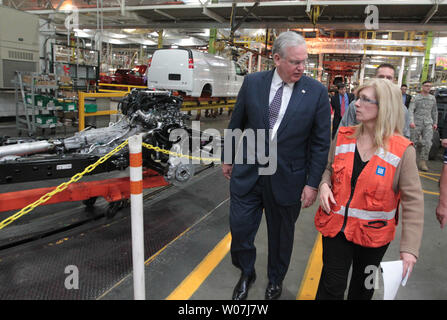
285 40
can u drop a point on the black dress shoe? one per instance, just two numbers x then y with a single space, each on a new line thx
241 290
273 291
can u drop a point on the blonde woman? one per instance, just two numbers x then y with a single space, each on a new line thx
370 171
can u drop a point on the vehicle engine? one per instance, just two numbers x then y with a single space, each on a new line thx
153 113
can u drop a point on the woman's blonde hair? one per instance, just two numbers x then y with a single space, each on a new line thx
390 117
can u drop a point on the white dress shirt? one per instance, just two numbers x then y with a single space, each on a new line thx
286 94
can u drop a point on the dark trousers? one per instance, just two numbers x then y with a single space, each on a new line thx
245 217
338 255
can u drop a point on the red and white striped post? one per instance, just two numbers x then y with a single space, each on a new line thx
136 207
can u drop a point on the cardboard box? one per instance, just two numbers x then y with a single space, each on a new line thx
65 79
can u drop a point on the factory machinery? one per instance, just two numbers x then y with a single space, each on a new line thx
154 114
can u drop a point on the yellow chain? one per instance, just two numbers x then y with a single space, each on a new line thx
176 154
89 169
60 187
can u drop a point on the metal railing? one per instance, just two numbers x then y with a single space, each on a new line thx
83 114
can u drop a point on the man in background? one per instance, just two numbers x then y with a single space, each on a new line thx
423 120
406 98
340 104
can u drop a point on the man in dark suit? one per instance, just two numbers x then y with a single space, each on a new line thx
294 111
340 103
406 98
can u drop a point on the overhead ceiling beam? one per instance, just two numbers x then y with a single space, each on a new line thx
59 5
262 4
252 14
431 13
441 27
167 15
246 16
213 15
135 16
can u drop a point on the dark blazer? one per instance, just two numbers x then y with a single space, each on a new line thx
335 103
407 100
303 138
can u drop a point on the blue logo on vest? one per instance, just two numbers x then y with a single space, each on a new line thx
380 171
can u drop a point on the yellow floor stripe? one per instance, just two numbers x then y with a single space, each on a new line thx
427 177
430 173
193 281
309 284
431 192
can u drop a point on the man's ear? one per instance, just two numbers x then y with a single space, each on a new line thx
276 58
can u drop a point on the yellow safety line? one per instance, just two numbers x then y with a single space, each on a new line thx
431 192
426 177
193 281
311 278
430 174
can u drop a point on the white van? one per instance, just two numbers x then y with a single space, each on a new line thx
195 73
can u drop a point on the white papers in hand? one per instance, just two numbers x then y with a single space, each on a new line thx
392 278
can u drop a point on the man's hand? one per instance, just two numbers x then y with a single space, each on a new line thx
444 143
435 126
226 170
412 125
308 196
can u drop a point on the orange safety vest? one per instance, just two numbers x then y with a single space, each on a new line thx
367 214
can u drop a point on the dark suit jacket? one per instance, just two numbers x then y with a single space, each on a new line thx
407 100
335 103
303 138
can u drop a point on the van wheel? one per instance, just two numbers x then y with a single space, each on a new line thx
206 93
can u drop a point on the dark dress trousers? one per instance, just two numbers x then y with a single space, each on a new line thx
335 103
303 140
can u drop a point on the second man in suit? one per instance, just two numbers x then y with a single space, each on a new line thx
340 103
294 111
406 98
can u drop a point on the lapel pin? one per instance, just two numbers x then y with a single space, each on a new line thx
303 91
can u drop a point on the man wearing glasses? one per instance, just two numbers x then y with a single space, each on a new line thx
423 120
384 71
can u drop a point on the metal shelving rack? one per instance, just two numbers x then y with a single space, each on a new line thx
81 64
26 112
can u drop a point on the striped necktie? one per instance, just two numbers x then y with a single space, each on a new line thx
275 106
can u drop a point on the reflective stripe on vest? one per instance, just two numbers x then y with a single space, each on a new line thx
381 153
367 215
